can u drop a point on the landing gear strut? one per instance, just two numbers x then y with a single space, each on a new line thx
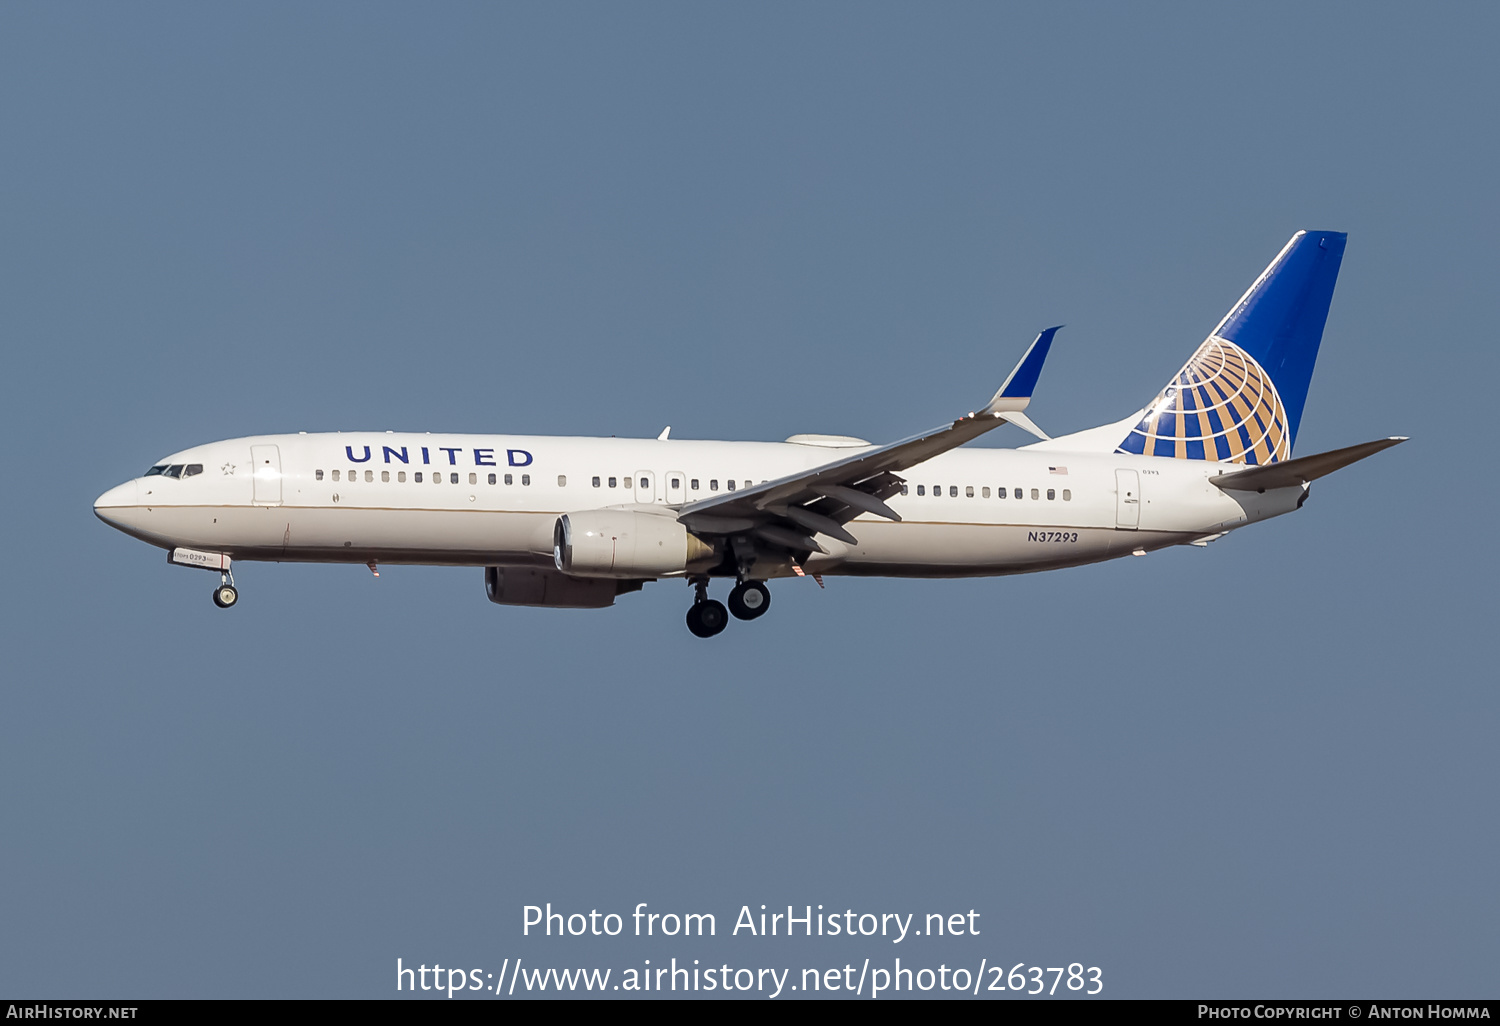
225 594
749 599
705 617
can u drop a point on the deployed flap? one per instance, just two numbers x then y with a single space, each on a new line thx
1301 470
870 471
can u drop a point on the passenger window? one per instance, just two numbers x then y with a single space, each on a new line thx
317 475
335 475
937 491
385 475
401 477
493 479
953 491
984 493
628 484
369 475
526 479
509 479
1067 495
596 482
904 489
473 478
562 480
713 484
612 481
191 469
353 475
1034 494
999 493
160 468
921 489
749 483
969 491
437 478
175 470
730 483
1051 494
416 476
453 478
693 484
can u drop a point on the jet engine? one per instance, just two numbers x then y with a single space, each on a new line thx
624 543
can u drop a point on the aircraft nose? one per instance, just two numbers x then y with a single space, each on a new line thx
116 498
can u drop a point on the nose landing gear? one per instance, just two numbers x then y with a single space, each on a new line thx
225 594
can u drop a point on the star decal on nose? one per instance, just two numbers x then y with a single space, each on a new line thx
228 469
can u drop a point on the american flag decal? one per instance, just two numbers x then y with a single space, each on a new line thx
1057 470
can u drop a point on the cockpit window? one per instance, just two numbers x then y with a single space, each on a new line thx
175 470
160 468
191 469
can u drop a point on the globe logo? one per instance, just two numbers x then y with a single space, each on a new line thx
1221 406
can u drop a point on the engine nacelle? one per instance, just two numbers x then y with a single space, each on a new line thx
623 543
528 586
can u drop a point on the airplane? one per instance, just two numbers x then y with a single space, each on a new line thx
574 522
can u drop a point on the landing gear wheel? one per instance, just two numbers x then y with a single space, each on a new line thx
749 599
707 618
225 596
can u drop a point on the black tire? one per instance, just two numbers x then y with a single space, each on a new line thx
705 619
749 600
225 596
694 623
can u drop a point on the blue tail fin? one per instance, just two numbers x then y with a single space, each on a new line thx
1240 398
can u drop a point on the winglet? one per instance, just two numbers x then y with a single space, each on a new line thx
1016 392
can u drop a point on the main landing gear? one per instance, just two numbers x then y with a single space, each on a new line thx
749 599
225 594
708 617
705 617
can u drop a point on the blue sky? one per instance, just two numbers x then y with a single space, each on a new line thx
1264 768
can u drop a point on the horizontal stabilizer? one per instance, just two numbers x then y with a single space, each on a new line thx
1291 473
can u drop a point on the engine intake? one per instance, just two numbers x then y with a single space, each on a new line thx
623 543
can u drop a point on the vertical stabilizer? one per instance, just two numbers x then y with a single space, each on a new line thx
1240 398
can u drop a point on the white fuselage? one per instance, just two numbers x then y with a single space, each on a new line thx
493 500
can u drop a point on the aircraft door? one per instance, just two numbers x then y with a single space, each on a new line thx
676 488
265 461
645 486
1127 499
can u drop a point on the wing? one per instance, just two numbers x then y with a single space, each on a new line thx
788 512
